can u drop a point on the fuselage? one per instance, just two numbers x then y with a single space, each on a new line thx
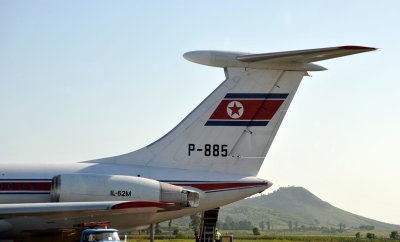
32 183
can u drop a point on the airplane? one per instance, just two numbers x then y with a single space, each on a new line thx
210 159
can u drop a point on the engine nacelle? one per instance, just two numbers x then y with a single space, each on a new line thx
93 187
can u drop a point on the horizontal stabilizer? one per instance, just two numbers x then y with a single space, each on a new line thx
297 60
306 56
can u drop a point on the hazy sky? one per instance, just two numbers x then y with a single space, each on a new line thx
88 79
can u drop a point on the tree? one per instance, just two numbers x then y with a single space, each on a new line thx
296 224
176 231
229 223
342 227
268 225
262 225
358 235
394 235
256 231
195 222
157 229
228 219
245 225
290 225
169 226
367 227
371 236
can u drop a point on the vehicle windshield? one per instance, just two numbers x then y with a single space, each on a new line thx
102 236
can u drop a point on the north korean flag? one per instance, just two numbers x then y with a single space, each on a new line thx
246 109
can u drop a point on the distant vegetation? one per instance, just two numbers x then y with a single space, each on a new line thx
297 209
288 214
292 210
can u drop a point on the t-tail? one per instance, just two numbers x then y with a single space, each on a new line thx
232 130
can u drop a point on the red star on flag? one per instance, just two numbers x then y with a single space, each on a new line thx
235 109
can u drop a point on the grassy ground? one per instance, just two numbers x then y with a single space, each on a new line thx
284 239
268 238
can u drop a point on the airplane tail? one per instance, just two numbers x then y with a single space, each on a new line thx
232 130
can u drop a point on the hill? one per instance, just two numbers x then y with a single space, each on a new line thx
297 206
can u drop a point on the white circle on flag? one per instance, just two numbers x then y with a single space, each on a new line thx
235 109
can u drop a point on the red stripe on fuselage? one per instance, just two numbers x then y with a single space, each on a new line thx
45 186
252 109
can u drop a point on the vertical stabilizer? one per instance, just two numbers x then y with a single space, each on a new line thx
232 130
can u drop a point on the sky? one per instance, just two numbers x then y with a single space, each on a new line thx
81 80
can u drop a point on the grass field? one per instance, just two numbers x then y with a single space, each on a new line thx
283 239
268 238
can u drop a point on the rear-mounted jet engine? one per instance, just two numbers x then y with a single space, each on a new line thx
93 187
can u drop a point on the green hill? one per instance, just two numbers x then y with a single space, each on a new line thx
298 206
